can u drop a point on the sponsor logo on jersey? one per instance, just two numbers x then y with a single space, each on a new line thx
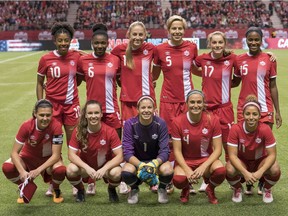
258 140
54 63
186 131
102 142
154 136
208 62
167 53
136 136
90 64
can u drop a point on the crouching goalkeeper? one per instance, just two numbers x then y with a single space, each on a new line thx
146 151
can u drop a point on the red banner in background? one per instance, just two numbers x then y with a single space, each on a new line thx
277 43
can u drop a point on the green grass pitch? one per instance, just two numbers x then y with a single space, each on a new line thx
17 97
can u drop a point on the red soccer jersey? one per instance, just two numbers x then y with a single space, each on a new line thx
256 72
175 62
99 148
216 78
100 76
60 72
136 82
196 138
251 146
38 143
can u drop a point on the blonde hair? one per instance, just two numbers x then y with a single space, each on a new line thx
209 38
128 54
253 101
175 18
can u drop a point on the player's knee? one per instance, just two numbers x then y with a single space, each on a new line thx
72 170
180 181
59 172
129 178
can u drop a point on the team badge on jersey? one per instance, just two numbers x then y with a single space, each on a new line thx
110 65
258 140
262 63
154 136
227 63
47 136
72 63
186 53
102 142
204 131
145 52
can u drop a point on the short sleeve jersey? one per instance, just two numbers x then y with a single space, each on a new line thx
100 76
175 62
216 78
196 138
251 146
145 142
38 143
255 73
100 146
136 82
60 72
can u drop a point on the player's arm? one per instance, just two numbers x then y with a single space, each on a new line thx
235 81
111 164
17 161
177 147
54 158
79 79
217 150
40 87
196 70
275 98
156 70
268 162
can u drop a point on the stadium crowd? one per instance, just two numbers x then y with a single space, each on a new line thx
34 15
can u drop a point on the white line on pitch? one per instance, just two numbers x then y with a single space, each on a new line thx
17 83
23 56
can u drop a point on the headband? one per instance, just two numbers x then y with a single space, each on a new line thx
194 91
254 29
252 104
145 97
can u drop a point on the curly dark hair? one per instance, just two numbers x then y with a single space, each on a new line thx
59 28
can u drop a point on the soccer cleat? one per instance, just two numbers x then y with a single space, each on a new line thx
57 196
123 188
184 197
192 191
211 194
133 196
249 189
90 190
74 191
203 187
49 191
154 188
170 188
20 200
113 196
162 196
237 195
267 195
260 188
80 196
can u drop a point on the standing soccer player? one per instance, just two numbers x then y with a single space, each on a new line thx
197 145
175 59
135 74
252 152
37 151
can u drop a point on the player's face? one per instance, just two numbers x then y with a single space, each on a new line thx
195 104
93 114
62 43
146 110
251 116
43 116
217 44
177 32
254 42
137 36
99 43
